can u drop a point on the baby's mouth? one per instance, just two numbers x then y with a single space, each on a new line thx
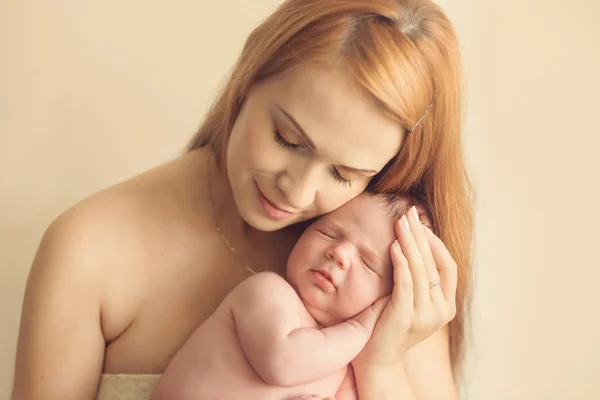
325 278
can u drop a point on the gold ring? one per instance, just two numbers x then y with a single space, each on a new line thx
434 284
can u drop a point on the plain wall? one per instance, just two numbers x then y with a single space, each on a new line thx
94 92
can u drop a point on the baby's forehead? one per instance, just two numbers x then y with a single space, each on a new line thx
366 211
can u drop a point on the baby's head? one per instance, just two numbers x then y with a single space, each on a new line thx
341 264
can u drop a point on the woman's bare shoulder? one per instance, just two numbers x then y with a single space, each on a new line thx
122 236
92 268
125 219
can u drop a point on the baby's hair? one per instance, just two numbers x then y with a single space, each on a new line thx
399 204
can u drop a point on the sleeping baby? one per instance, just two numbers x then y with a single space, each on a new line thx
277 339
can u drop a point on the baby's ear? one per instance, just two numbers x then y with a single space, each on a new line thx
424 216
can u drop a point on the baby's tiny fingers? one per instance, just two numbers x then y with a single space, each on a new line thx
380 304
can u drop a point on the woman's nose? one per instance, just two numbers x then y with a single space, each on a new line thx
341 254
299 185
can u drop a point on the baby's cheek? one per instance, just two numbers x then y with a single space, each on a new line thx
360 300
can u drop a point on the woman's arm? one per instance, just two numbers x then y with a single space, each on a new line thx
61 346
428 368
424 374
387 383
408 355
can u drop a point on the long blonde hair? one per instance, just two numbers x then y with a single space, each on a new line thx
404 54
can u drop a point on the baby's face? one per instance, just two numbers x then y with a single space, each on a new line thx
341 264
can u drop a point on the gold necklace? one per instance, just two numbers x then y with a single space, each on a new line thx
214 216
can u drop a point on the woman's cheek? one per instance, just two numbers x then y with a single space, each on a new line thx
334 196
261 152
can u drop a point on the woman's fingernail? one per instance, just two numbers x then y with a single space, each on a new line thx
404 222
414 213
396 245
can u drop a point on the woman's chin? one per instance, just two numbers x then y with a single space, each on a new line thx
261 223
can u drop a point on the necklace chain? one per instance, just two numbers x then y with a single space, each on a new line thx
214 216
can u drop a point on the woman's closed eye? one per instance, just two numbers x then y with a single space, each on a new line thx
296 146
284 143
339 178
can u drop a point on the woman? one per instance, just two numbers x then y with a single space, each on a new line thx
328 98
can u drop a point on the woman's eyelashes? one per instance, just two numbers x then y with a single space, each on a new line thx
340 179
295 146
284 143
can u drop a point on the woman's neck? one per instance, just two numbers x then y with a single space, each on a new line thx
259 250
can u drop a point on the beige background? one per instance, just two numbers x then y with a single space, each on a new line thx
94 92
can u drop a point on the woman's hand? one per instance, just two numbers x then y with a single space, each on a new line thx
423 298
312 397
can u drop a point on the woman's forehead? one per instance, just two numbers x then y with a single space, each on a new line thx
343 121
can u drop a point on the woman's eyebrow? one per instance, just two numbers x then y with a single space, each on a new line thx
301 131
311 144
360 171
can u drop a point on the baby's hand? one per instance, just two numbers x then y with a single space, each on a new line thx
367 318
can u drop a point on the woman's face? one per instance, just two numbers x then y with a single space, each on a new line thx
305 143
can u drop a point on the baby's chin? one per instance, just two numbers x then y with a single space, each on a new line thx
324 318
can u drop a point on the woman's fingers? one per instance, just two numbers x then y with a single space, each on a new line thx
433 273
416 264
415 310
446 267
402 295
418 231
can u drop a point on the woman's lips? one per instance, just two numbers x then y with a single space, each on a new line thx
271 209
323 280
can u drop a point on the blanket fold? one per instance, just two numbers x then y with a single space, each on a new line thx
126 387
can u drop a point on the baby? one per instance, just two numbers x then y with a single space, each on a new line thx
272 339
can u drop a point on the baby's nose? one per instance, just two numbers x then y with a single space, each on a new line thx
341 254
